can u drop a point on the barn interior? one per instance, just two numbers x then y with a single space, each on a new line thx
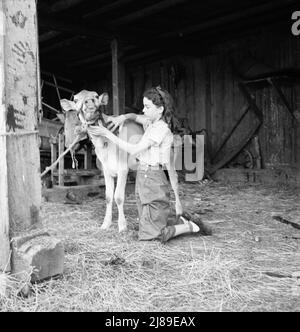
233 70
232 67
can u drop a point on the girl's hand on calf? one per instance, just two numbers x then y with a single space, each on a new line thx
98 131
115 122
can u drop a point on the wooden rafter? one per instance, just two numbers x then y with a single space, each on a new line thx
104 9
126 59
46 73
48 35
57 6
62 44
102 54
63 5
140 55
147 11
87 60
224 19
74 29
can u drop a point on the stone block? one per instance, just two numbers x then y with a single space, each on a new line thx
37 257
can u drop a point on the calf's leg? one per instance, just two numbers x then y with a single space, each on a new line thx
109 193
119 199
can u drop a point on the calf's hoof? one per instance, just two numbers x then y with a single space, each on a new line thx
105 226
123 229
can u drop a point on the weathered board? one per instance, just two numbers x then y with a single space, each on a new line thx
4 220
21 189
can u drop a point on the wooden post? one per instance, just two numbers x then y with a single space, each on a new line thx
118 79
20 184
53 144
61 165
88 157
4 220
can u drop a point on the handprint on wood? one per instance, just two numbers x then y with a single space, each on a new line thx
23 51
19 20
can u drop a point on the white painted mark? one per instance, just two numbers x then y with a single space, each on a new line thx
2 23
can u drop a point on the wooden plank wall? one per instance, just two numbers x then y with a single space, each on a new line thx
206 91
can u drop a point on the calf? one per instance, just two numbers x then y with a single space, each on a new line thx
115 162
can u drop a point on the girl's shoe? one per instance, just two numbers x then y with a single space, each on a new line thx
204 228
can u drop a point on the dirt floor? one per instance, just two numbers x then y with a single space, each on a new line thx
250 263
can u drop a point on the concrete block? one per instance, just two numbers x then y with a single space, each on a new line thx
37 257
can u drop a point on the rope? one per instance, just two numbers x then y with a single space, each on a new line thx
20 133
77 139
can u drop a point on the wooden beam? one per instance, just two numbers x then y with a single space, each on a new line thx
102 54
115 76
48 35
63 5
62 44
145 60
74 29
92 67
126 59
224 19
88 60
57 76
58 6
140 55
57 86
118 79
104 9
147 11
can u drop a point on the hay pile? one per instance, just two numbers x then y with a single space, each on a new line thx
251 263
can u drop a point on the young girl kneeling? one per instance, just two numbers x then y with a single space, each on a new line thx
153 153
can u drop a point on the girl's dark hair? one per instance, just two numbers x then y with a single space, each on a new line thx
160 97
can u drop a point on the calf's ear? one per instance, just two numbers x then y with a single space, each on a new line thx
103 99
61 117
67 105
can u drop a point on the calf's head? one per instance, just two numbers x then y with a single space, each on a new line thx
87 104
